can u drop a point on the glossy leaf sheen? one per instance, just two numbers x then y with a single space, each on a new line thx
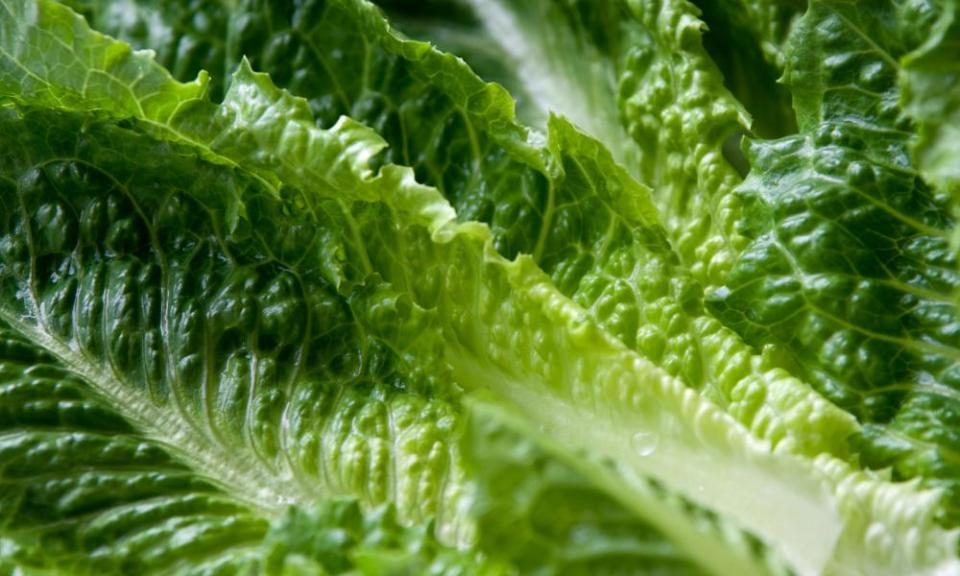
566 202
221 380
851 267
397 304
385 312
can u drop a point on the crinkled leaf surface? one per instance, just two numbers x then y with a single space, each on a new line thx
566 202
170 386
634 75
177 502
483 309
206 384
653 97
850 267
474 310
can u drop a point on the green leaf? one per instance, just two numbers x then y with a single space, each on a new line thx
567 203
634 75
82 490
452 27
746 41
223 378
140 459
503 327
651 94
679 112
159 225
569 58
928 79
850 269
357 422
539 510
568 365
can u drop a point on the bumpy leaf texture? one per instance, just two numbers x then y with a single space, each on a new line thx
645 60
851 268
928 79
278 335
167 382
565 202
633 74
338 154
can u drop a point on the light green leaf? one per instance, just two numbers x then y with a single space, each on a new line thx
503 327
680 114
148 472
634 75
540 510
588 391
566 202
631 74
929 77
301 400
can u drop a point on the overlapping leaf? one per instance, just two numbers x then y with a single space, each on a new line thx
170 385
929 77
634 75
473 310
191 332
584 220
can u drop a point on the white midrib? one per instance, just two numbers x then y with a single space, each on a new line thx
773 499
165 426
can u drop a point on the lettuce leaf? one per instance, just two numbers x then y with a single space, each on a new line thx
429 300
644 59
632 74
928 79
556 201
851 270
171 421
381 311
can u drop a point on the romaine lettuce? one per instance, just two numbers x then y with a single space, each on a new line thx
239 337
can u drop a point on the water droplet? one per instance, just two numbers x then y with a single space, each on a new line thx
645 443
